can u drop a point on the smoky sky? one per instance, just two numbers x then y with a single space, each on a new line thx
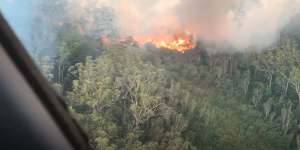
240 23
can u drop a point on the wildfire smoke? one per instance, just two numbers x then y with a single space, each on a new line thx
240 23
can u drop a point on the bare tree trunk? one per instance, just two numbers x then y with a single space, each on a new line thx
270 79
287 86
297 87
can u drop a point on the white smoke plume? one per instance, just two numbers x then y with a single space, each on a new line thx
241 23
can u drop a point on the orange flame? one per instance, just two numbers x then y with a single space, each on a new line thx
180 42
104 40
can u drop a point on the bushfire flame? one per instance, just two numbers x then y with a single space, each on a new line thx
180 42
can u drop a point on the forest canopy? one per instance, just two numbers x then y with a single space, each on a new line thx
129 97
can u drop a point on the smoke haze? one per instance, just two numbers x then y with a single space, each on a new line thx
240 23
